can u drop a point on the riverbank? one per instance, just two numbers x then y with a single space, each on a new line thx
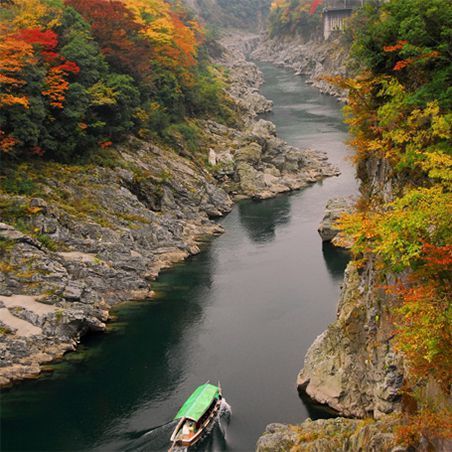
316 59
100 234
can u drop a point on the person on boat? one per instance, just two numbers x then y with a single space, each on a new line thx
189 428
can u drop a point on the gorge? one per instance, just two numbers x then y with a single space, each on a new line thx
136 222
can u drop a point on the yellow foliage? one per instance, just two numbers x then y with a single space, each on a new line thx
35 14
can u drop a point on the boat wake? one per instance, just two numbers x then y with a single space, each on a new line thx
154 439
224 417
225 408
216 436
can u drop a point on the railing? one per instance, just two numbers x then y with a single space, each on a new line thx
342 4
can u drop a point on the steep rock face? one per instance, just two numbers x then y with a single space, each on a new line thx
332 435
351 366
314 59
245 78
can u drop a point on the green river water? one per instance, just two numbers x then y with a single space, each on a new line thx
244 311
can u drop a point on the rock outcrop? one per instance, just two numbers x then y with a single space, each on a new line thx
245 78
330 435
257 164
350 367
102 235
334 209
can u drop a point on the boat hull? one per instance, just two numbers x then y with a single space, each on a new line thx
202 430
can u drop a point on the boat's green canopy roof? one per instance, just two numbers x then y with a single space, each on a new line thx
198 403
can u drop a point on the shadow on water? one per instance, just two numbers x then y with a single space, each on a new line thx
336 260
316 410
261 218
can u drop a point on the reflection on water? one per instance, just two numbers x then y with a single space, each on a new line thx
336 260
260 218
244 312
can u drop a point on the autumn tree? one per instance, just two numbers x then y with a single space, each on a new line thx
294 17
118 35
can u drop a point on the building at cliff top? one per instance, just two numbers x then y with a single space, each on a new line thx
336 14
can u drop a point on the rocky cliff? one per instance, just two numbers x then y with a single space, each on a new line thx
331 435
75 239
351 367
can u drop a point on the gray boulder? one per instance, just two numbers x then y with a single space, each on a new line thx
334 209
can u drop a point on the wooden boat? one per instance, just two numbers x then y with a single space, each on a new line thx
196 415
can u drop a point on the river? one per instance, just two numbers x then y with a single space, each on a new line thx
244 311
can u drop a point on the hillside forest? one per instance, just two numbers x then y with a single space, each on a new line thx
77 75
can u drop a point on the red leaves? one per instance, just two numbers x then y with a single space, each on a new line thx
105 144
32 46
50 57
47 40
69 67
58 68
7 142
118 34
438 258
427 423
315 4
423 319
394 48
402 64
38 151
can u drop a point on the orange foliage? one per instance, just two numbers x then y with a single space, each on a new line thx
426 424
403 64
173 36
184 41
424 318
57 85
399 46
7 142
438 258
105 144
15 54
